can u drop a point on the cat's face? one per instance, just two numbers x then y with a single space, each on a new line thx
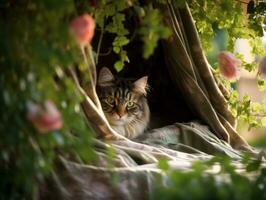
123 101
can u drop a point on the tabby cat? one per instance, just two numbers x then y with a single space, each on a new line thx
124 103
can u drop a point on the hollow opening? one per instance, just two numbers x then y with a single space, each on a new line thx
167 105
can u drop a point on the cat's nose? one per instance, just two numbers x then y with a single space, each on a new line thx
120 111
120 115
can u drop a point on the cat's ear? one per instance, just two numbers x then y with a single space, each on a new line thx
105 77
141 85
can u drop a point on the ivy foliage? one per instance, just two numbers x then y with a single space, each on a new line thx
152 30
226 14
257 13
245 110
111 17
36 51
230 16
225 21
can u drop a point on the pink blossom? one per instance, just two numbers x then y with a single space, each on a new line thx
229 65
82 28
44 119
262 67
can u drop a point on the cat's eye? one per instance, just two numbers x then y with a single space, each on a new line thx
110 100
130 104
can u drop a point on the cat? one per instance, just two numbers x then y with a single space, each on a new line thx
124 103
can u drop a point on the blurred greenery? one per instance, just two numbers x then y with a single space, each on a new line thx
36 48
36 52
260 142
217 178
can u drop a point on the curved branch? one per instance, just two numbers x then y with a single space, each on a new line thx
95 115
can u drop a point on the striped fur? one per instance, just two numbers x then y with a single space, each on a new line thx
124 103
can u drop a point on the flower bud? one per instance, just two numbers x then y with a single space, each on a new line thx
229 65
82 28
44 119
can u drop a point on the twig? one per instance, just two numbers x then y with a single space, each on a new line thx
93 66
92 76
99 44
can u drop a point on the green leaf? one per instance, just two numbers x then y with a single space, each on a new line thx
261 84
120 41
117 25
263 121
163 164
116 49
140 11
253 166
110 155
256 107
119 65
152 29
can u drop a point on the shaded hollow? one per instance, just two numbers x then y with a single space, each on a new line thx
166 102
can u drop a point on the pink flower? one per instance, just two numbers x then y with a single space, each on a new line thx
262 67
82 28
44 119
229 65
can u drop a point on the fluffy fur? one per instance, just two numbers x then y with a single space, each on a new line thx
124 103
